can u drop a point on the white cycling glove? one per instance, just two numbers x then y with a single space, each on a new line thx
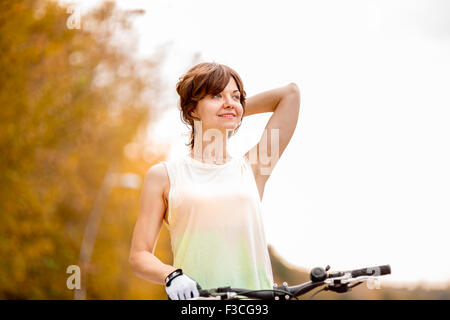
180 287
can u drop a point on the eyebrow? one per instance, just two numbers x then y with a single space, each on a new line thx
236 91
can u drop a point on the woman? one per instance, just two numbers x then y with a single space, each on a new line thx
210 201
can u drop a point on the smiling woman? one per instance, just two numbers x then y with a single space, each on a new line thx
212 208
208 85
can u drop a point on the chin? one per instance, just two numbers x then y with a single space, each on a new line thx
229 128
224 126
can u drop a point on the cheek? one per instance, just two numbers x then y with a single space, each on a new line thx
207 110
241 111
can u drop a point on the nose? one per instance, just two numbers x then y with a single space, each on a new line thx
228 101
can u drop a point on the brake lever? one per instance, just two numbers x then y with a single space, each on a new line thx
342 287
339 288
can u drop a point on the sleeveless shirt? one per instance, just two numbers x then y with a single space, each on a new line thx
215 223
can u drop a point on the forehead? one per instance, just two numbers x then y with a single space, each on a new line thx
231 86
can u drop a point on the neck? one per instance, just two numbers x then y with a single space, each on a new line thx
211 149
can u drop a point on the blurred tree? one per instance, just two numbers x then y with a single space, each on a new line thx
71 101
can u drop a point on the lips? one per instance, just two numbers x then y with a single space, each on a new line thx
227 115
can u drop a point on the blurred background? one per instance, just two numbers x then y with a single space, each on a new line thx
88 104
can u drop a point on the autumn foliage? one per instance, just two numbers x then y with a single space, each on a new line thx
72 101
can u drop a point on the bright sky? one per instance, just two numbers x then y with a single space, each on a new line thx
365 180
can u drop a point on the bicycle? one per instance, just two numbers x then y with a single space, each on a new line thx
339 282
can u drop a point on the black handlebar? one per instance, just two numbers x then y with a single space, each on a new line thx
372 271
267 294
318 278
319 274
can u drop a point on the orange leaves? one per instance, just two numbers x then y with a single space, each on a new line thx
57 140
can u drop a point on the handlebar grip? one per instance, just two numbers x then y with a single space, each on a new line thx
372 271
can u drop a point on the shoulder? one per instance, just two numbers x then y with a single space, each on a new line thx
156 172
156 178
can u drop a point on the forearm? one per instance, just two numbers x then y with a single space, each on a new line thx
266 101
148 267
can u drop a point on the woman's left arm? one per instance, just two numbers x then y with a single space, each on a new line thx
284 102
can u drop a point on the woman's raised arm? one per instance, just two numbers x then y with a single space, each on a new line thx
284 102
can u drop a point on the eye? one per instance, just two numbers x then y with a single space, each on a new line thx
217 95
237 97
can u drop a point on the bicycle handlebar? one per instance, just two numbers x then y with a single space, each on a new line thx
372 271
337 282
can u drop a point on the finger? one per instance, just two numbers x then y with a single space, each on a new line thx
187 293
194 290
173 297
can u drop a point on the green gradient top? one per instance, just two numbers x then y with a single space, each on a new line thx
215 224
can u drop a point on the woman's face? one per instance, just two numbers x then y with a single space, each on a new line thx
222 111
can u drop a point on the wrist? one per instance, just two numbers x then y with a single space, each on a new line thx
174 274
168 269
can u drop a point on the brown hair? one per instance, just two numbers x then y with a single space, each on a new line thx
206 78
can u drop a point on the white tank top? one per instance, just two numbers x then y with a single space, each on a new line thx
215 224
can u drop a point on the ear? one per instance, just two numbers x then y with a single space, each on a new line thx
194 114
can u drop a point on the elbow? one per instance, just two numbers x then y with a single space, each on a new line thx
293 94
132 261
293 88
